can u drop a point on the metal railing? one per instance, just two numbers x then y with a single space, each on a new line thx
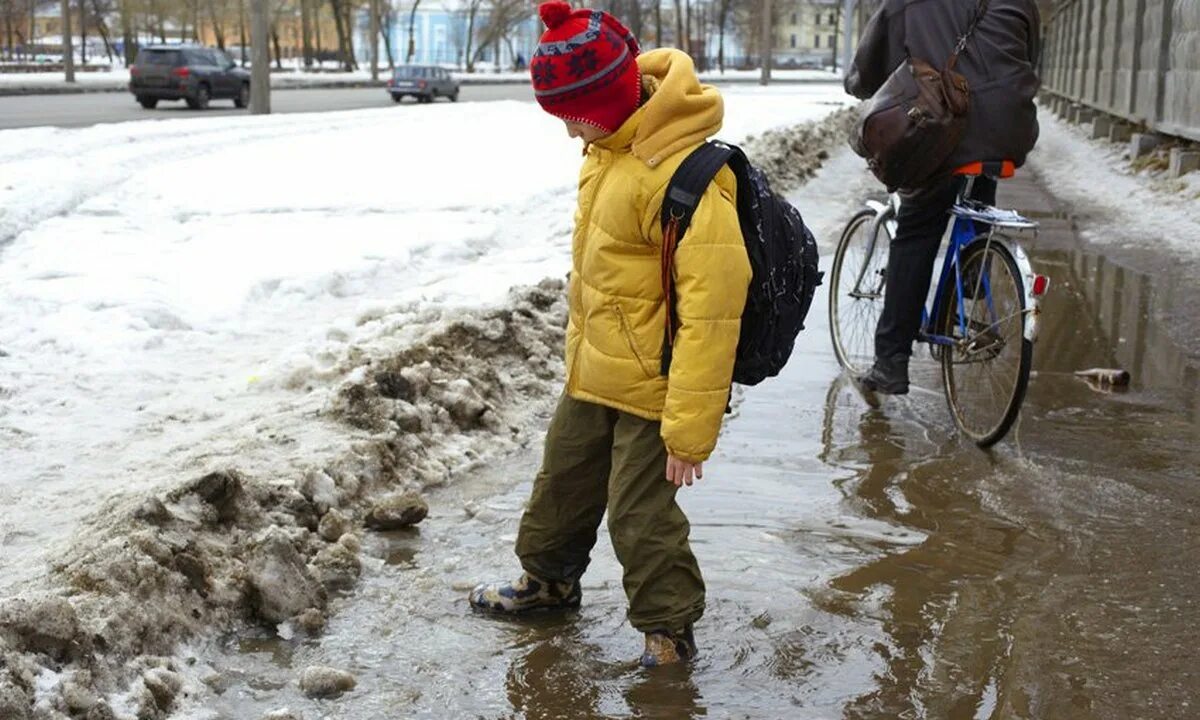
1134 59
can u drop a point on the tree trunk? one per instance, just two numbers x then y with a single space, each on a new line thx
767 42
260 59
658 23
348 28
275 43
336 7
412 34
102 28
82 32
837 24
635 19
242 28
68 51
722 19
314 9
218 29
373 33
687 27
469 55
389 21
127 33
679 24
306 33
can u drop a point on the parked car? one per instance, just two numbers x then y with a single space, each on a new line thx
426 83
190 73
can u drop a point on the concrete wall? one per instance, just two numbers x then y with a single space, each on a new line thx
1136 59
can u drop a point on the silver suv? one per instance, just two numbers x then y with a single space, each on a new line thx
424 82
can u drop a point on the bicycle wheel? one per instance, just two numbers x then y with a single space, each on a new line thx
986 372
856 291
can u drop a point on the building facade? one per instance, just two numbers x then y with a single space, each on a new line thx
810 33
440 38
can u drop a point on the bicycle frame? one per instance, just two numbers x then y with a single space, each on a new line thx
963 232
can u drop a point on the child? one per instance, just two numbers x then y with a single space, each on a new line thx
624 437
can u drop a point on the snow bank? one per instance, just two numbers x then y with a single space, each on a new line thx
218 331
1134 205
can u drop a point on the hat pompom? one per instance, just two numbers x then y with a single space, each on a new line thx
555 13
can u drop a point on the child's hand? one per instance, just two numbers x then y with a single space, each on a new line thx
682 472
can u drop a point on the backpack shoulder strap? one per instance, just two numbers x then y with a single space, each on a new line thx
683 195
690 181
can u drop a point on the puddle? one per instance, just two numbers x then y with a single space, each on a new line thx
860 563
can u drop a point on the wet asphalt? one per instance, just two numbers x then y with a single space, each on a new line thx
861 563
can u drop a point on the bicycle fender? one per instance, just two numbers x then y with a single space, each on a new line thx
1033 304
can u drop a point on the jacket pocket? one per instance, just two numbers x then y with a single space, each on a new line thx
627 331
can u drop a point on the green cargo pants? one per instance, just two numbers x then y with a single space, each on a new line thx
598 458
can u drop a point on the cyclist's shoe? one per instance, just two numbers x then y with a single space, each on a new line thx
524 594
668 648
888 376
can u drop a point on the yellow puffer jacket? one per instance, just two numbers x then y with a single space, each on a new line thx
617 309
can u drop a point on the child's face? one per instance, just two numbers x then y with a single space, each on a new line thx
587 133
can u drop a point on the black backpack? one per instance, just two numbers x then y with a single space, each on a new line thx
783 256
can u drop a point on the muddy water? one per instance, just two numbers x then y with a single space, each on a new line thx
860 563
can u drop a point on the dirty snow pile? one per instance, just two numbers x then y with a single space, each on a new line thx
1127 201
231 345
791 156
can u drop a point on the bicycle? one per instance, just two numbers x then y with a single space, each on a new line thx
983 320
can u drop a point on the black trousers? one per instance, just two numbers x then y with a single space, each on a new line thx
922 221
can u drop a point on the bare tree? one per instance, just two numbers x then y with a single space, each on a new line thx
389 22
101 10
373 35
723 8
472 10
275 45
679 24
242 29
68 51
658 29
504 17
341 21
83 20
412 37
306 32
216 16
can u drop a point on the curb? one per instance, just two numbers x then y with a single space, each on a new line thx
355 85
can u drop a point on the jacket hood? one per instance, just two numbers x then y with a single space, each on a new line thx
679 113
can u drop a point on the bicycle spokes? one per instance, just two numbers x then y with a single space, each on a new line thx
986 366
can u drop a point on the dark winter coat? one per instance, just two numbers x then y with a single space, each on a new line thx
999 62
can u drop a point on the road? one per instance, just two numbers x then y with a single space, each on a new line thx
80 110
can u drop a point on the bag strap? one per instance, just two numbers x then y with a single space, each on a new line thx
980 10
682 198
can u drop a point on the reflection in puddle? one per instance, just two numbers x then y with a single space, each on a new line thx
400 547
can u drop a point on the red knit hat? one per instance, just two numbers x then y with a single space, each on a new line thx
584 69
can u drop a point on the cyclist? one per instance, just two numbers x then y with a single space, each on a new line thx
999 62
